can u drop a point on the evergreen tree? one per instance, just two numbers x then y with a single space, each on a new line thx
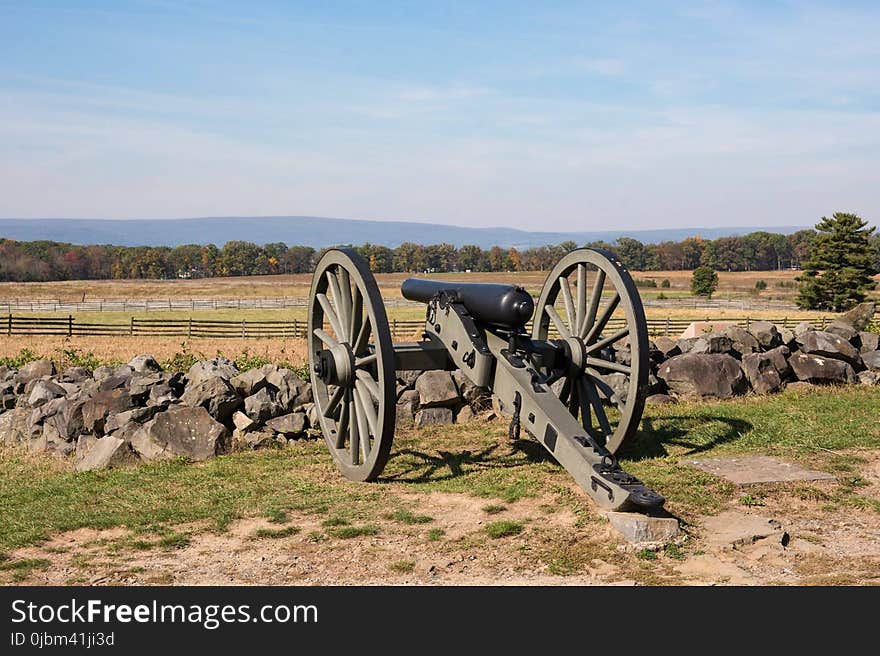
704 281
838 274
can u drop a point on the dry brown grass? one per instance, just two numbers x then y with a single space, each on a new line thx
110 349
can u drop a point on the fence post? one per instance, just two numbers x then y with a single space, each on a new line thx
189 329
70 325
823 323
667 326
9 326
131 327
394 328
748 323
243 329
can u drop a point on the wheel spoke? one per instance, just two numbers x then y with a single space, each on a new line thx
371 385
342 424
354 441
363 337
363 425
598 410
608 366
604 387
331 315
573 404
324 337
557 321
357 314
339 302
566 389
334 401
584 403
565 287
602 343
582 296
602 321
345 289
595 298
367 406
366 360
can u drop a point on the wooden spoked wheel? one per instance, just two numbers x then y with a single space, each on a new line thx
593 304
352 364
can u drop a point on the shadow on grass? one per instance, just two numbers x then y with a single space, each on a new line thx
691 434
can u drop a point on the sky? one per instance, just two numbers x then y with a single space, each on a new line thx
534 115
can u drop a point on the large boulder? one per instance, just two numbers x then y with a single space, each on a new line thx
96 409
761 370
407 407
779 357
705 344
67 418
291 391
135 415
766 334
105 453
868 341
802 328
434 417
44 391
141 385
703 375
215 394
667 346
842 329
250 382
180 432
218 367
817 369
437 390
860 316
262 406
828 345
292 424
144 364
869 377
74 375
872 360
32 371
14 426
743 341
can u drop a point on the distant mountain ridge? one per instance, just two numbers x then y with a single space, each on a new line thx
319 232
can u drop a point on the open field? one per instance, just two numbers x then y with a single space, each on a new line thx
460 505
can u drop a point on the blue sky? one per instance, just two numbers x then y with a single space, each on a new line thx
588 115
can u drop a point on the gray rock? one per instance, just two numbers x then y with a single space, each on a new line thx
705 344
761 371
116 381
250 382
102 372
407 407
218 367
105 453
871 360
289 424
787 337
253 440
868 342
659 399
6 373
434 417
242 422
74 375
292 392
860 316
408 377
667 346
869 378
215 394
802 328
766 334
465 415
842 329
135 415
180 432
827 345
67 418
141 385
96 409
262 406
821 370
437 389
43 391
703 375
144 364
33 371
743 341
311 411
14 426
615 388
640 528
472 395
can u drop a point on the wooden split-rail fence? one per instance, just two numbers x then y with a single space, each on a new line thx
71 326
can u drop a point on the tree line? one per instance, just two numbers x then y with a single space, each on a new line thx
22 261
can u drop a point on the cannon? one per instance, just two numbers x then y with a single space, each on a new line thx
576 382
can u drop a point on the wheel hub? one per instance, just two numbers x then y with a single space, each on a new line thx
575 354
335 366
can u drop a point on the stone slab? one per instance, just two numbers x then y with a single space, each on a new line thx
638 528
744 470
732 529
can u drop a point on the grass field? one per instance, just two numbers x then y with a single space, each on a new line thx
461 503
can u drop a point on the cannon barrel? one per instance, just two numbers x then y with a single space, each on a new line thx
502 305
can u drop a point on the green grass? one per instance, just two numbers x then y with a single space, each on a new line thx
402 566
503 529
273 533
436 534
41 496
494 509
406 517
348 532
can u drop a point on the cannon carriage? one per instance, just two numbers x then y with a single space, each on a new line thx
588 326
